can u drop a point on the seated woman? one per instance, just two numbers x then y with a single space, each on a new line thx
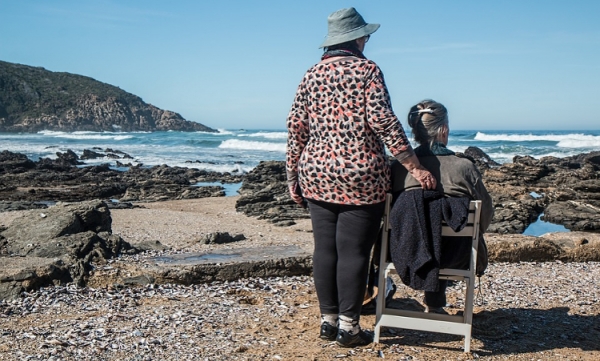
456 176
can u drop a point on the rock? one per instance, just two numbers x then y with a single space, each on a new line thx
150 246
568 192
22 180
90 154
14 162
264 194
574 215
20 206
221 237
56 245
566 247
68 157
224 265
482 160
512 186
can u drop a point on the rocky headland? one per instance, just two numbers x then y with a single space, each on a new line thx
33 99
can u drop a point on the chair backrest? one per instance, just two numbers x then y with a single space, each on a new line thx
470 230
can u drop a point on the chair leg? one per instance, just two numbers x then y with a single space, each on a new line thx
468 342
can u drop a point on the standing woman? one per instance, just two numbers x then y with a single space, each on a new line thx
336 161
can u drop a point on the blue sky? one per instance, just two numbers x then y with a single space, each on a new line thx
501 65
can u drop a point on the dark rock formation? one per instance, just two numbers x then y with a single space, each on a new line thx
34 99
477 156
22 180
566 190
264 195
56 246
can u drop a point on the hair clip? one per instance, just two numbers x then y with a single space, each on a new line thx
426 110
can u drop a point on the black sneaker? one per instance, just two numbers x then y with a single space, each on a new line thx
328 332
345 339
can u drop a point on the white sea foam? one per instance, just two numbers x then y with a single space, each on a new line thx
267 135
508 156
221 132
96 136
460 149
50 132
250 145
87 135
573 140
584 141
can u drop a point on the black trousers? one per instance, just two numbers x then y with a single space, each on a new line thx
344 236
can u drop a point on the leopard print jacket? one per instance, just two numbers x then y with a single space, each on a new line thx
340 120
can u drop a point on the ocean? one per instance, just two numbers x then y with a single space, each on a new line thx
240 151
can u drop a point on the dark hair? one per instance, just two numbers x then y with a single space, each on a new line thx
427 120
349 45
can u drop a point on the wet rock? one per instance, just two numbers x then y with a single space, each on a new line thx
68 157
22 180
568 192
14 162
90 154
574 215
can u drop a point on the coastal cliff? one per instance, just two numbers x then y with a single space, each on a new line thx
34 99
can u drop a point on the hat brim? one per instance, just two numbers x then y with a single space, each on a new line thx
368 29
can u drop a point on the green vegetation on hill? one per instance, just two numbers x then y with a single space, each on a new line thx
33 99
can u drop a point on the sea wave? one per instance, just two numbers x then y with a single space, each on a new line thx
220 132
251 145
586 141
267 135
87 135
570 140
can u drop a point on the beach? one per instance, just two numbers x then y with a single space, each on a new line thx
524 311
185 270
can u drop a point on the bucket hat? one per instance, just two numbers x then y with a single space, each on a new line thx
345 25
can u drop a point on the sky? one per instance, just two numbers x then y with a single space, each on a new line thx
495 65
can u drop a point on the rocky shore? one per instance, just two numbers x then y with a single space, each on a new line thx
143 264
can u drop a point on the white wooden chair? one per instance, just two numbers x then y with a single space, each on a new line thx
432 322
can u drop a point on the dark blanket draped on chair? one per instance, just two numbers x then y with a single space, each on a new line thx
416 235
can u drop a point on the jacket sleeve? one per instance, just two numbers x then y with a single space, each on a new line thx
487 209
297 126
381 117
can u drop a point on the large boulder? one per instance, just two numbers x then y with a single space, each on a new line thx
56 245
